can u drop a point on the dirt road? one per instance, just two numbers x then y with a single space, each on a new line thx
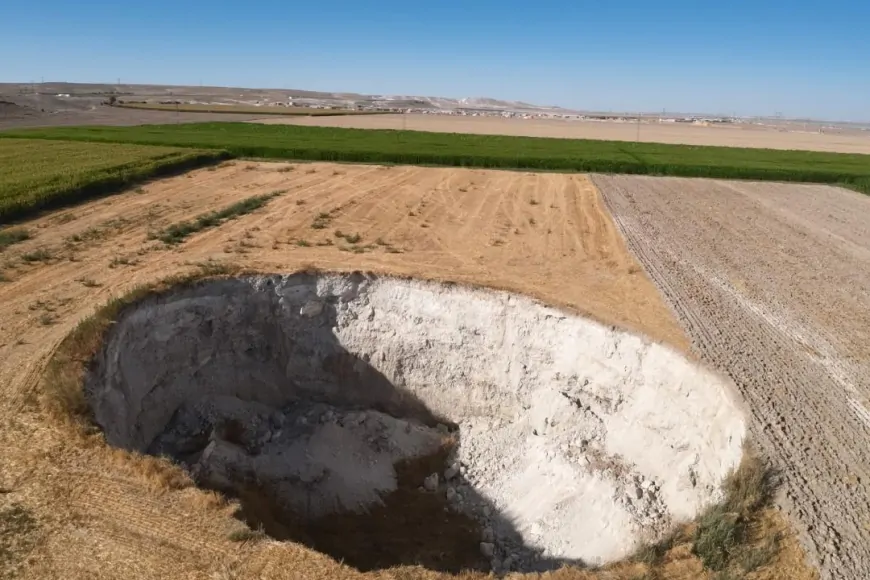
739 135
772 283
83 510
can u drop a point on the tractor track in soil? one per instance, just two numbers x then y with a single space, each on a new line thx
771 283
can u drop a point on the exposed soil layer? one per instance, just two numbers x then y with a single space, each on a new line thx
573 442
771 283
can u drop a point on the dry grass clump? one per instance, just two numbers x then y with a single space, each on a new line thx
39 255
158 474
213 268
247 534
722 531
18 535
321 221
729 540
13 236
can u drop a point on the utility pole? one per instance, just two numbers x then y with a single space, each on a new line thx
638 128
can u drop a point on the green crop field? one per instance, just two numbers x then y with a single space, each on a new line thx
38 174
244 109
413 147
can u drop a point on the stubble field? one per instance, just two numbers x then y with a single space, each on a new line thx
543 235
768 280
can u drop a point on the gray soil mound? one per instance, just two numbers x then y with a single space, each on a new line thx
387 421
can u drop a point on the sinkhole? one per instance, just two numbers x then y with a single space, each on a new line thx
388 421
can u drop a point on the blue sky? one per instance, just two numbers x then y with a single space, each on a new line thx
796 57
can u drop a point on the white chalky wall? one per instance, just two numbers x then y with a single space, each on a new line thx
580 439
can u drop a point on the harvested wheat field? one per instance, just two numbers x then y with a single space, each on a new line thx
771 282
73 507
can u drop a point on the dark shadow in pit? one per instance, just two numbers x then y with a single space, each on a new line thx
412 527
307 365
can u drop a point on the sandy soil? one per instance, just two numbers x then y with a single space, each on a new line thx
771 282
844 141
94 513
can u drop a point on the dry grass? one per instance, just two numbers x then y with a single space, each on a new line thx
112 514
12 236
159 475
18 530
39 255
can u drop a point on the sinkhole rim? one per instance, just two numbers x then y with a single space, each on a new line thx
155 294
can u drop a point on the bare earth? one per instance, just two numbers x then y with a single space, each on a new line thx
838 140
93 512
12 117
771 282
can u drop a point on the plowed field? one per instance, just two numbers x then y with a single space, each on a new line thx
771 282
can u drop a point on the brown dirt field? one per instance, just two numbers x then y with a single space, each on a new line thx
104 115
843 141
771 282
240 109
70 507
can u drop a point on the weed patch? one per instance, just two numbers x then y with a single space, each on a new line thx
177 233
121 261
321 221
722 530
214 268
40 255
13 236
